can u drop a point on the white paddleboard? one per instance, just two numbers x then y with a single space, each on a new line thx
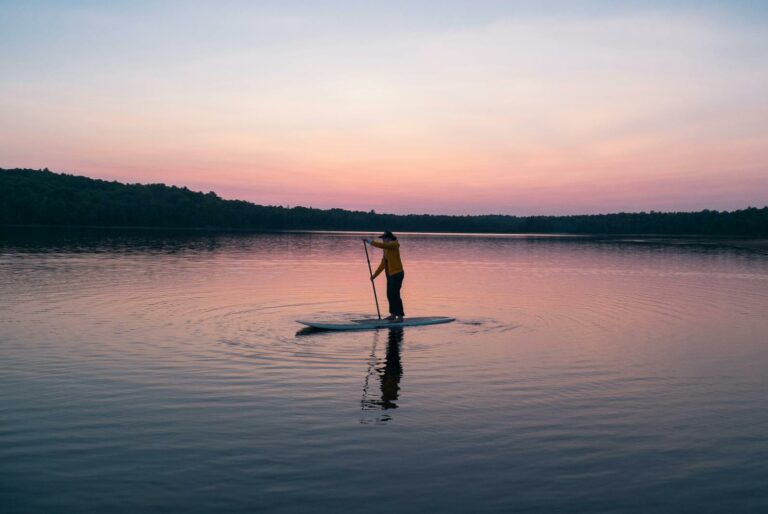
373 323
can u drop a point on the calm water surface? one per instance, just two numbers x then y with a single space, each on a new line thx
160 372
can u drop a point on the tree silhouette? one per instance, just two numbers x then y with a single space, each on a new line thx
41 197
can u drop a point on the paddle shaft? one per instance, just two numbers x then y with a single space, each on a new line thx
370 272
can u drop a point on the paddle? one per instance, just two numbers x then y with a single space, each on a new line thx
370 272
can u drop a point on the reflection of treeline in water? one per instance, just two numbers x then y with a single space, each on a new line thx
41 197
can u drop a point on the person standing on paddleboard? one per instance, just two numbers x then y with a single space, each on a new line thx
392 267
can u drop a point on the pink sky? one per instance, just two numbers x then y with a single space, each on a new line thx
519 112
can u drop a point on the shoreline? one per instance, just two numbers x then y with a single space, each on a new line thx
757 244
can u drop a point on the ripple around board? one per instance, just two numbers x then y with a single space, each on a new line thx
477 325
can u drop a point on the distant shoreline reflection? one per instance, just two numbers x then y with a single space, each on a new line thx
390 371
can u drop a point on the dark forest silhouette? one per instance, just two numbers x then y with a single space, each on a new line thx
41 197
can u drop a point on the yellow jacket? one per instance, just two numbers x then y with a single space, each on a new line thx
391 262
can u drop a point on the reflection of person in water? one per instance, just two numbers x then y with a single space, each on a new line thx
389 371
392 371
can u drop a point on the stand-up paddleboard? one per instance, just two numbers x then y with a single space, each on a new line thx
372 323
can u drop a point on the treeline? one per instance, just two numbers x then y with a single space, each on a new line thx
41 197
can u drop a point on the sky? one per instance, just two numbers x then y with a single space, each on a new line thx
452 107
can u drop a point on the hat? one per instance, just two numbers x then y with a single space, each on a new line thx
389 235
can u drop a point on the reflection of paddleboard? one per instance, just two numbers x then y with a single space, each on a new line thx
367 324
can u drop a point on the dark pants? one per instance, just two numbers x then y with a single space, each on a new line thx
394 283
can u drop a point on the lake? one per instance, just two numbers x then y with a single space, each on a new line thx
160 371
